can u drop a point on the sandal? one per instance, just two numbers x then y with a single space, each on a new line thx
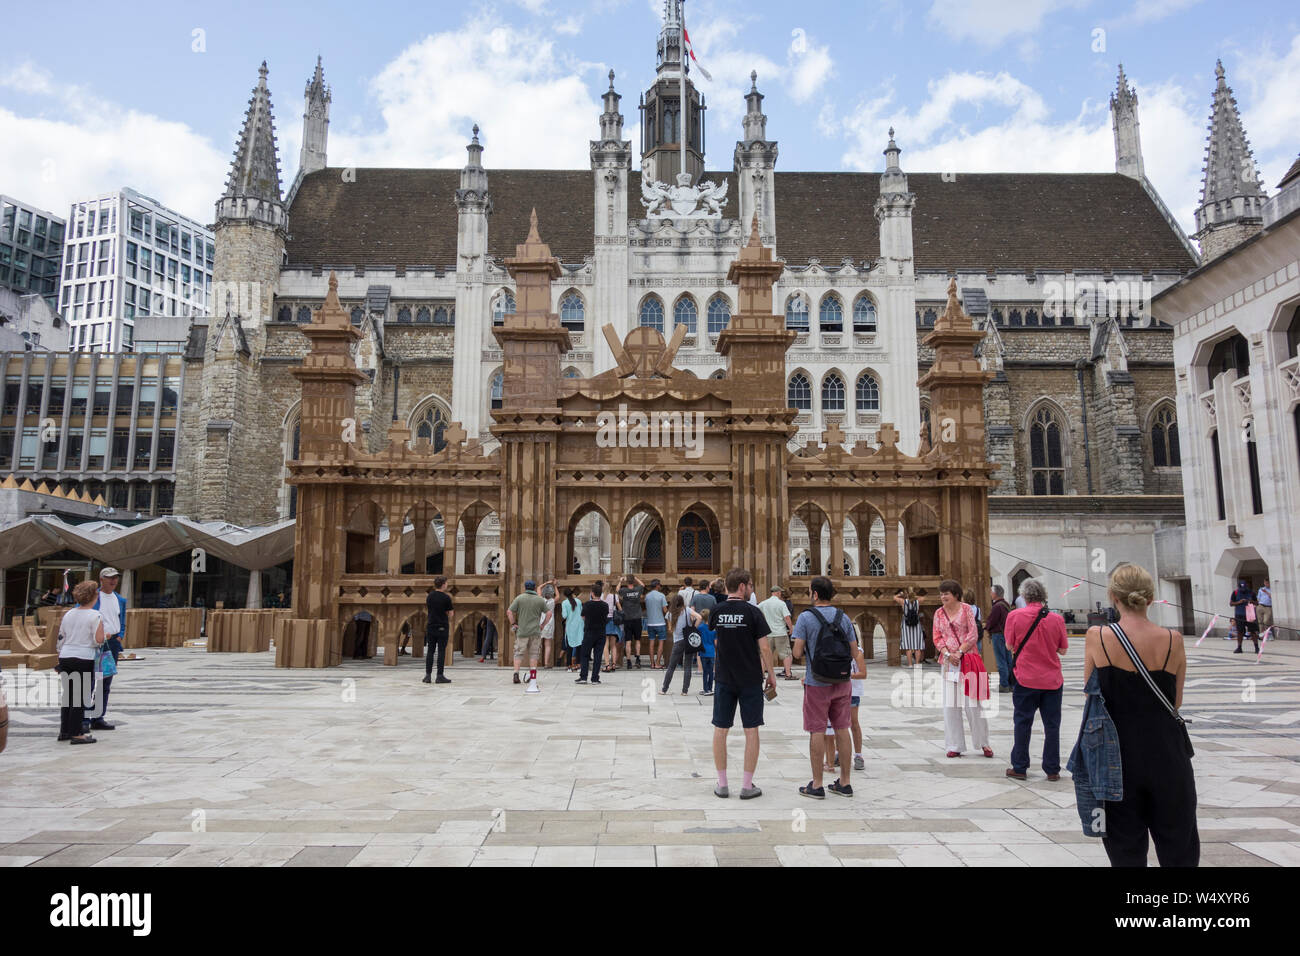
843 789
817 793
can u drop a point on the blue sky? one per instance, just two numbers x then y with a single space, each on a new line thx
135 96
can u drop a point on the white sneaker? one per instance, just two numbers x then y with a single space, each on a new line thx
532 688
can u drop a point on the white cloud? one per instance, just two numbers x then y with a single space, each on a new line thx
1266 84
810 67
533 106
1149 11
78 145
975 122
990 22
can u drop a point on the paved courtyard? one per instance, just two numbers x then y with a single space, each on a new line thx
220 759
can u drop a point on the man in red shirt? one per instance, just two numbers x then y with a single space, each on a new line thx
1038 678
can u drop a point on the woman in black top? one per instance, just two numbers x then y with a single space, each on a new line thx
1159 785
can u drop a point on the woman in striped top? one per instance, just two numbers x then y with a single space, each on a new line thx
912 639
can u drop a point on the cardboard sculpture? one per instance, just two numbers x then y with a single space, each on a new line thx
31 645
705 460
243 631
161 627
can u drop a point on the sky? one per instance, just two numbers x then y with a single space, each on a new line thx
152 96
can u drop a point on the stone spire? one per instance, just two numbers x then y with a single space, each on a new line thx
1232 198
473 179
1124 120
755 122
894 179
611 120
315 123
669 47
253 187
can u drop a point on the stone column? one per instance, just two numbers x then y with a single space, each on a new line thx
254 599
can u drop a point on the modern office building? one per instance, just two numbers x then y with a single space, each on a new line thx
96 424
127 255
31 246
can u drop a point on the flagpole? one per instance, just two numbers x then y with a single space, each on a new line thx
684 114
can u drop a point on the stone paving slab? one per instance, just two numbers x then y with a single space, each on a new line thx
226 761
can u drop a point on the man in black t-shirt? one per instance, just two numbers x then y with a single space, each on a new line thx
595 613
630 596
740 630
438 629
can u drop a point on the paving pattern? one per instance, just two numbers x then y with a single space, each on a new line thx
220 759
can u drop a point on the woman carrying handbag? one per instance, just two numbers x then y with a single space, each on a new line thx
1141 668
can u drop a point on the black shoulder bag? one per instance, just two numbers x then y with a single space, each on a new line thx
1042 613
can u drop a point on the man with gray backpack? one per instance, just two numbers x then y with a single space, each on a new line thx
825 638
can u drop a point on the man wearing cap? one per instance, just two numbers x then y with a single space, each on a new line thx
778 619
525 614
112 609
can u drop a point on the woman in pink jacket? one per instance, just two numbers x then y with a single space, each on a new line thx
965 682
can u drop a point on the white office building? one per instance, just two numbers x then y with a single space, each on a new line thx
127 255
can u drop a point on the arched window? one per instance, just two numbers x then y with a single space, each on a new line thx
423 316
799 392
998 318
685 313
430 425
928 319
719 374
832 393
831 316
503 305
864 314
694 543
284 315
868 393
357 314
295 444
444 315
1293 335
1216 460
652 313
573 313
1231 355
796 312
1252 466
1046 460
1015 318
404 315
572 373
498 390
875 565
1031 317
304 315
1164 439
719 314
800 563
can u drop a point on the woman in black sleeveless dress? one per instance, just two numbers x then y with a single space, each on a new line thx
1159 784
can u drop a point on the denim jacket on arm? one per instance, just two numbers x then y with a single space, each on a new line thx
1095 763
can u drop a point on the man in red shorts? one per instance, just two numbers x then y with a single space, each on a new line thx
825 703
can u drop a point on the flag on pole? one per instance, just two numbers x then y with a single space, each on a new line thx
690 50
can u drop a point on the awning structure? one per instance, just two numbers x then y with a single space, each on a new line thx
138 545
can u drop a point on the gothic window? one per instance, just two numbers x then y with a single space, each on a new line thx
652 313
404 315
430 425
503 305
1231 355
1046 460
718 374
423 316
1031 317
799 392
1164 439
832 393
443 315
719 314
868 393
875 565
498 390
304 315
831 315
572 373
294 447
864 314
685 313
284 315
357 315
573 312
800 563
1015 318
1293 336
998 318
1252 464
494 563
796 312
694 543
929 317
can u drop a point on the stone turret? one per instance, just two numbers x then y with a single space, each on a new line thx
253 187
755 164
315 123
662 125
1124 120
897 332
473 208
1232 199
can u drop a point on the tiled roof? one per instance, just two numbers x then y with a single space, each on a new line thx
981 221
1291 174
